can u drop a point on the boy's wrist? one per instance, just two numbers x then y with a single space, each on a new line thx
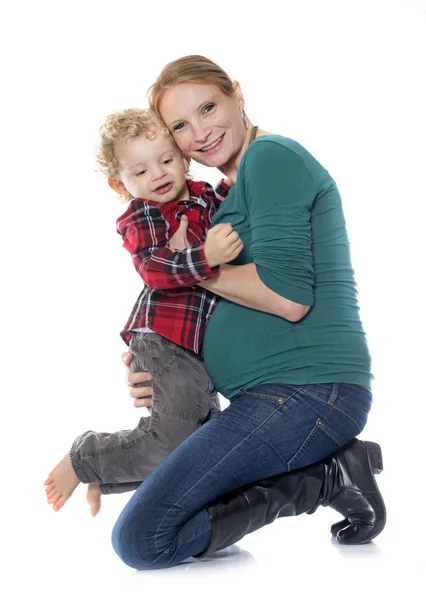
208 261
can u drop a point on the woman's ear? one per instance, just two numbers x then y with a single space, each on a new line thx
238 94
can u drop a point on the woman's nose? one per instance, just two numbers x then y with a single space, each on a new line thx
201 133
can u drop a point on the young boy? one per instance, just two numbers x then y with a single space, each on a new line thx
166 327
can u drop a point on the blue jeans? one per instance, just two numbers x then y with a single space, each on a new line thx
266 430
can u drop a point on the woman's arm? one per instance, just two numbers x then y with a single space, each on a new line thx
241 284
278 194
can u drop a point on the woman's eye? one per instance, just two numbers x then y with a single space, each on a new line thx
167 161
178 126
141 172
208 107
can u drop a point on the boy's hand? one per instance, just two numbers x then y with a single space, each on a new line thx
179 240
222 244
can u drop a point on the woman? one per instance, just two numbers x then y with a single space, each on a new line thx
296 368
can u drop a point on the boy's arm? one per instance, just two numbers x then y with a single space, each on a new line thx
145 236
218 194
222 189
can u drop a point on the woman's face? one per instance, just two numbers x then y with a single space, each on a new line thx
206 124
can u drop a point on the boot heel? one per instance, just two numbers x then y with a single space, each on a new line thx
374 453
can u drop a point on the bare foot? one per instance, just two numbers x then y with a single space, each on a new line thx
61 483
93 497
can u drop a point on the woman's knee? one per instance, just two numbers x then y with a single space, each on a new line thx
131 547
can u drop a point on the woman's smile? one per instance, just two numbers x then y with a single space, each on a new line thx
212 147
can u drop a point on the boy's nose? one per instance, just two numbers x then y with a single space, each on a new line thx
158 174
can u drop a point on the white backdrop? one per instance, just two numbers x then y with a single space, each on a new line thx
344 78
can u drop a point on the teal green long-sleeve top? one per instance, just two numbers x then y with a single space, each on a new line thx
288 212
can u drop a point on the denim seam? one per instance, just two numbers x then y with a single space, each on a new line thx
331 433
168 365
360 406
304 444
334 394
348 417
338 409
267 396
333 404
270 396
209 472
320 425
317 397
276 453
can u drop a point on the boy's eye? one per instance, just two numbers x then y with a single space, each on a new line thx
208 107
178 126
167 161
141 172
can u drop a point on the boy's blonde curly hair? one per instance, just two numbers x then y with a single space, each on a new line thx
121 126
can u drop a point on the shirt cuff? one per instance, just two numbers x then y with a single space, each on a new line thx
222 189
206 271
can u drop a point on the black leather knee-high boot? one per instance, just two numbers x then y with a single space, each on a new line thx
345 481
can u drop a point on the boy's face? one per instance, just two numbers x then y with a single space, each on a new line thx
152 169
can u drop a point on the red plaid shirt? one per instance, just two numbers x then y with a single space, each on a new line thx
171 304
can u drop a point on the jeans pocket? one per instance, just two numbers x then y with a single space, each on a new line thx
350 400
321 441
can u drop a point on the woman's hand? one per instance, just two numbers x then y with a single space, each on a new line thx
139 388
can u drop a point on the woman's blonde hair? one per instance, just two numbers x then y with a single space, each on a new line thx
122 126
188 69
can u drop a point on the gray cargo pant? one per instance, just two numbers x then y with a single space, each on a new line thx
183 399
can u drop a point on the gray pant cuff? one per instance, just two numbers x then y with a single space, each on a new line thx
76 465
